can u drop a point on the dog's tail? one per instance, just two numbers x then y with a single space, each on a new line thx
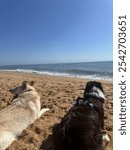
43 111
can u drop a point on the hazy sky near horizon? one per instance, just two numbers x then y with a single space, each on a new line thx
55 31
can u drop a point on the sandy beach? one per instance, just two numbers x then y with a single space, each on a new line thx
57 93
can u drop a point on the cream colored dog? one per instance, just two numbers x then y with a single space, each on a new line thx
23 111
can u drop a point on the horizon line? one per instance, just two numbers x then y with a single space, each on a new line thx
56 63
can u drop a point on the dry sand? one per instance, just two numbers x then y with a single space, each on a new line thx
57 93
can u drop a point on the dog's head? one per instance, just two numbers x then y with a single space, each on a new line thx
95 88
24 87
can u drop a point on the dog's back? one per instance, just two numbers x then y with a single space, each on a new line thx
23 111
81 128
77 130
17 116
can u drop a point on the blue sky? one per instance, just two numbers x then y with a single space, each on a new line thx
55 31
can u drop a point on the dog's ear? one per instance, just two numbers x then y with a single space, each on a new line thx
32 83
24 85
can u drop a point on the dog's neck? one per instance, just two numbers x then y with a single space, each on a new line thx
97 92
86 102
98 95
17 95
81 101
88 96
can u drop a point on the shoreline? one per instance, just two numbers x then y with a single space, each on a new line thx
60 76
57 94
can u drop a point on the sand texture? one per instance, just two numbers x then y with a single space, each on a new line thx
57 93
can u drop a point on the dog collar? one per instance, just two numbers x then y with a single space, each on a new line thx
82 101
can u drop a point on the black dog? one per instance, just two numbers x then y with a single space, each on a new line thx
81 128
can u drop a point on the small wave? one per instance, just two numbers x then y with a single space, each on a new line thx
70 75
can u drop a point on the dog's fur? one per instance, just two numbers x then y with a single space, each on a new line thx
81 128
23 111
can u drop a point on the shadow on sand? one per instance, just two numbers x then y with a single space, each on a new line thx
47 144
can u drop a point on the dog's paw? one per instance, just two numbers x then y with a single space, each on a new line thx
106 138
105 142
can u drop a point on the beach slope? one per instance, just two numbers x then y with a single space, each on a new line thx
57 93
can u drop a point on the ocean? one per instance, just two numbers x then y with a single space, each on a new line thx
100 70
